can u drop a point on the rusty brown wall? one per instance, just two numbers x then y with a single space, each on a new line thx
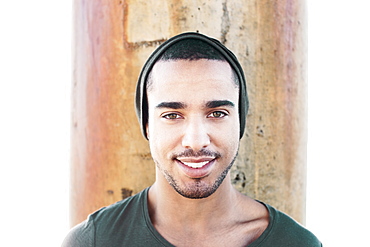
112 39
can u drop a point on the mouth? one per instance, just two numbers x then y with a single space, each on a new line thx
195 165
196 168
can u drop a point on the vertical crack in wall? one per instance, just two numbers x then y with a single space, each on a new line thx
225 23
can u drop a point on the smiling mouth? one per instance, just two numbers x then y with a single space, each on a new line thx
196 168
195 164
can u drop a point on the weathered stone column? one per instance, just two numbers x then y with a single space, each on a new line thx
110 158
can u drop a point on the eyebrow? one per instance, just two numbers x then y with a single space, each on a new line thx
209 104
218 103
172 105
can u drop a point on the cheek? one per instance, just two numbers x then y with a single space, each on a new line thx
227 137
161 141
228 130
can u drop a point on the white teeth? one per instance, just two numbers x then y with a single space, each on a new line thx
195 165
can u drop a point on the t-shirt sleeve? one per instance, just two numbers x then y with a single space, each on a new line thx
284 231
293 234
82 235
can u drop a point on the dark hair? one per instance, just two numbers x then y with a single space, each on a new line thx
192 50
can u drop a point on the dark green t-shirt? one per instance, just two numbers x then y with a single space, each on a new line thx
127 223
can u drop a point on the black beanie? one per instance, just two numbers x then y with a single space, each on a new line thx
141 98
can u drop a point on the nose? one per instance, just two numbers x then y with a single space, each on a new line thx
196 136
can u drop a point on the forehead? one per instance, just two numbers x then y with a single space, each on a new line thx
199 80
191 73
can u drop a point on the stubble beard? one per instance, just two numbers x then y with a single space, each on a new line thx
198 189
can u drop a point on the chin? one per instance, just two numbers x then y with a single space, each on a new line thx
198 188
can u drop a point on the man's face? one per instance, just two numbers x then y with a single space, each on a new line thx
193 125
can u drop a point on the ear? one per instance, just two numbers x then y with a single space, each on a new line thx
147 130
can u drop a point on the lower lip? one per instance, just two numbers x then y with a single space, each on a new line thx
196 172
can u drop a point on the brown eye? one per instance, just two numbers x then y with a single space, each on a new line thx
171 116
217 114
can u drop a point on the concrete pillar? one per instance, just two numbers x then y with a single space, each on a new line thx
112 39
270 39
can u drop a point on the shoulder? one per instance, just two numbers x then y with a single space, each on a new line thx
105 222
80 235
285 231
119 210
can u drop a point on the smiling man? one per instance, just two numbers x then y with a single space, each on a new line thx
193 125
192 103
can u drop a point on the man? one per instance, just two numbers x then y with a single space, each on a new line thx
191 102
